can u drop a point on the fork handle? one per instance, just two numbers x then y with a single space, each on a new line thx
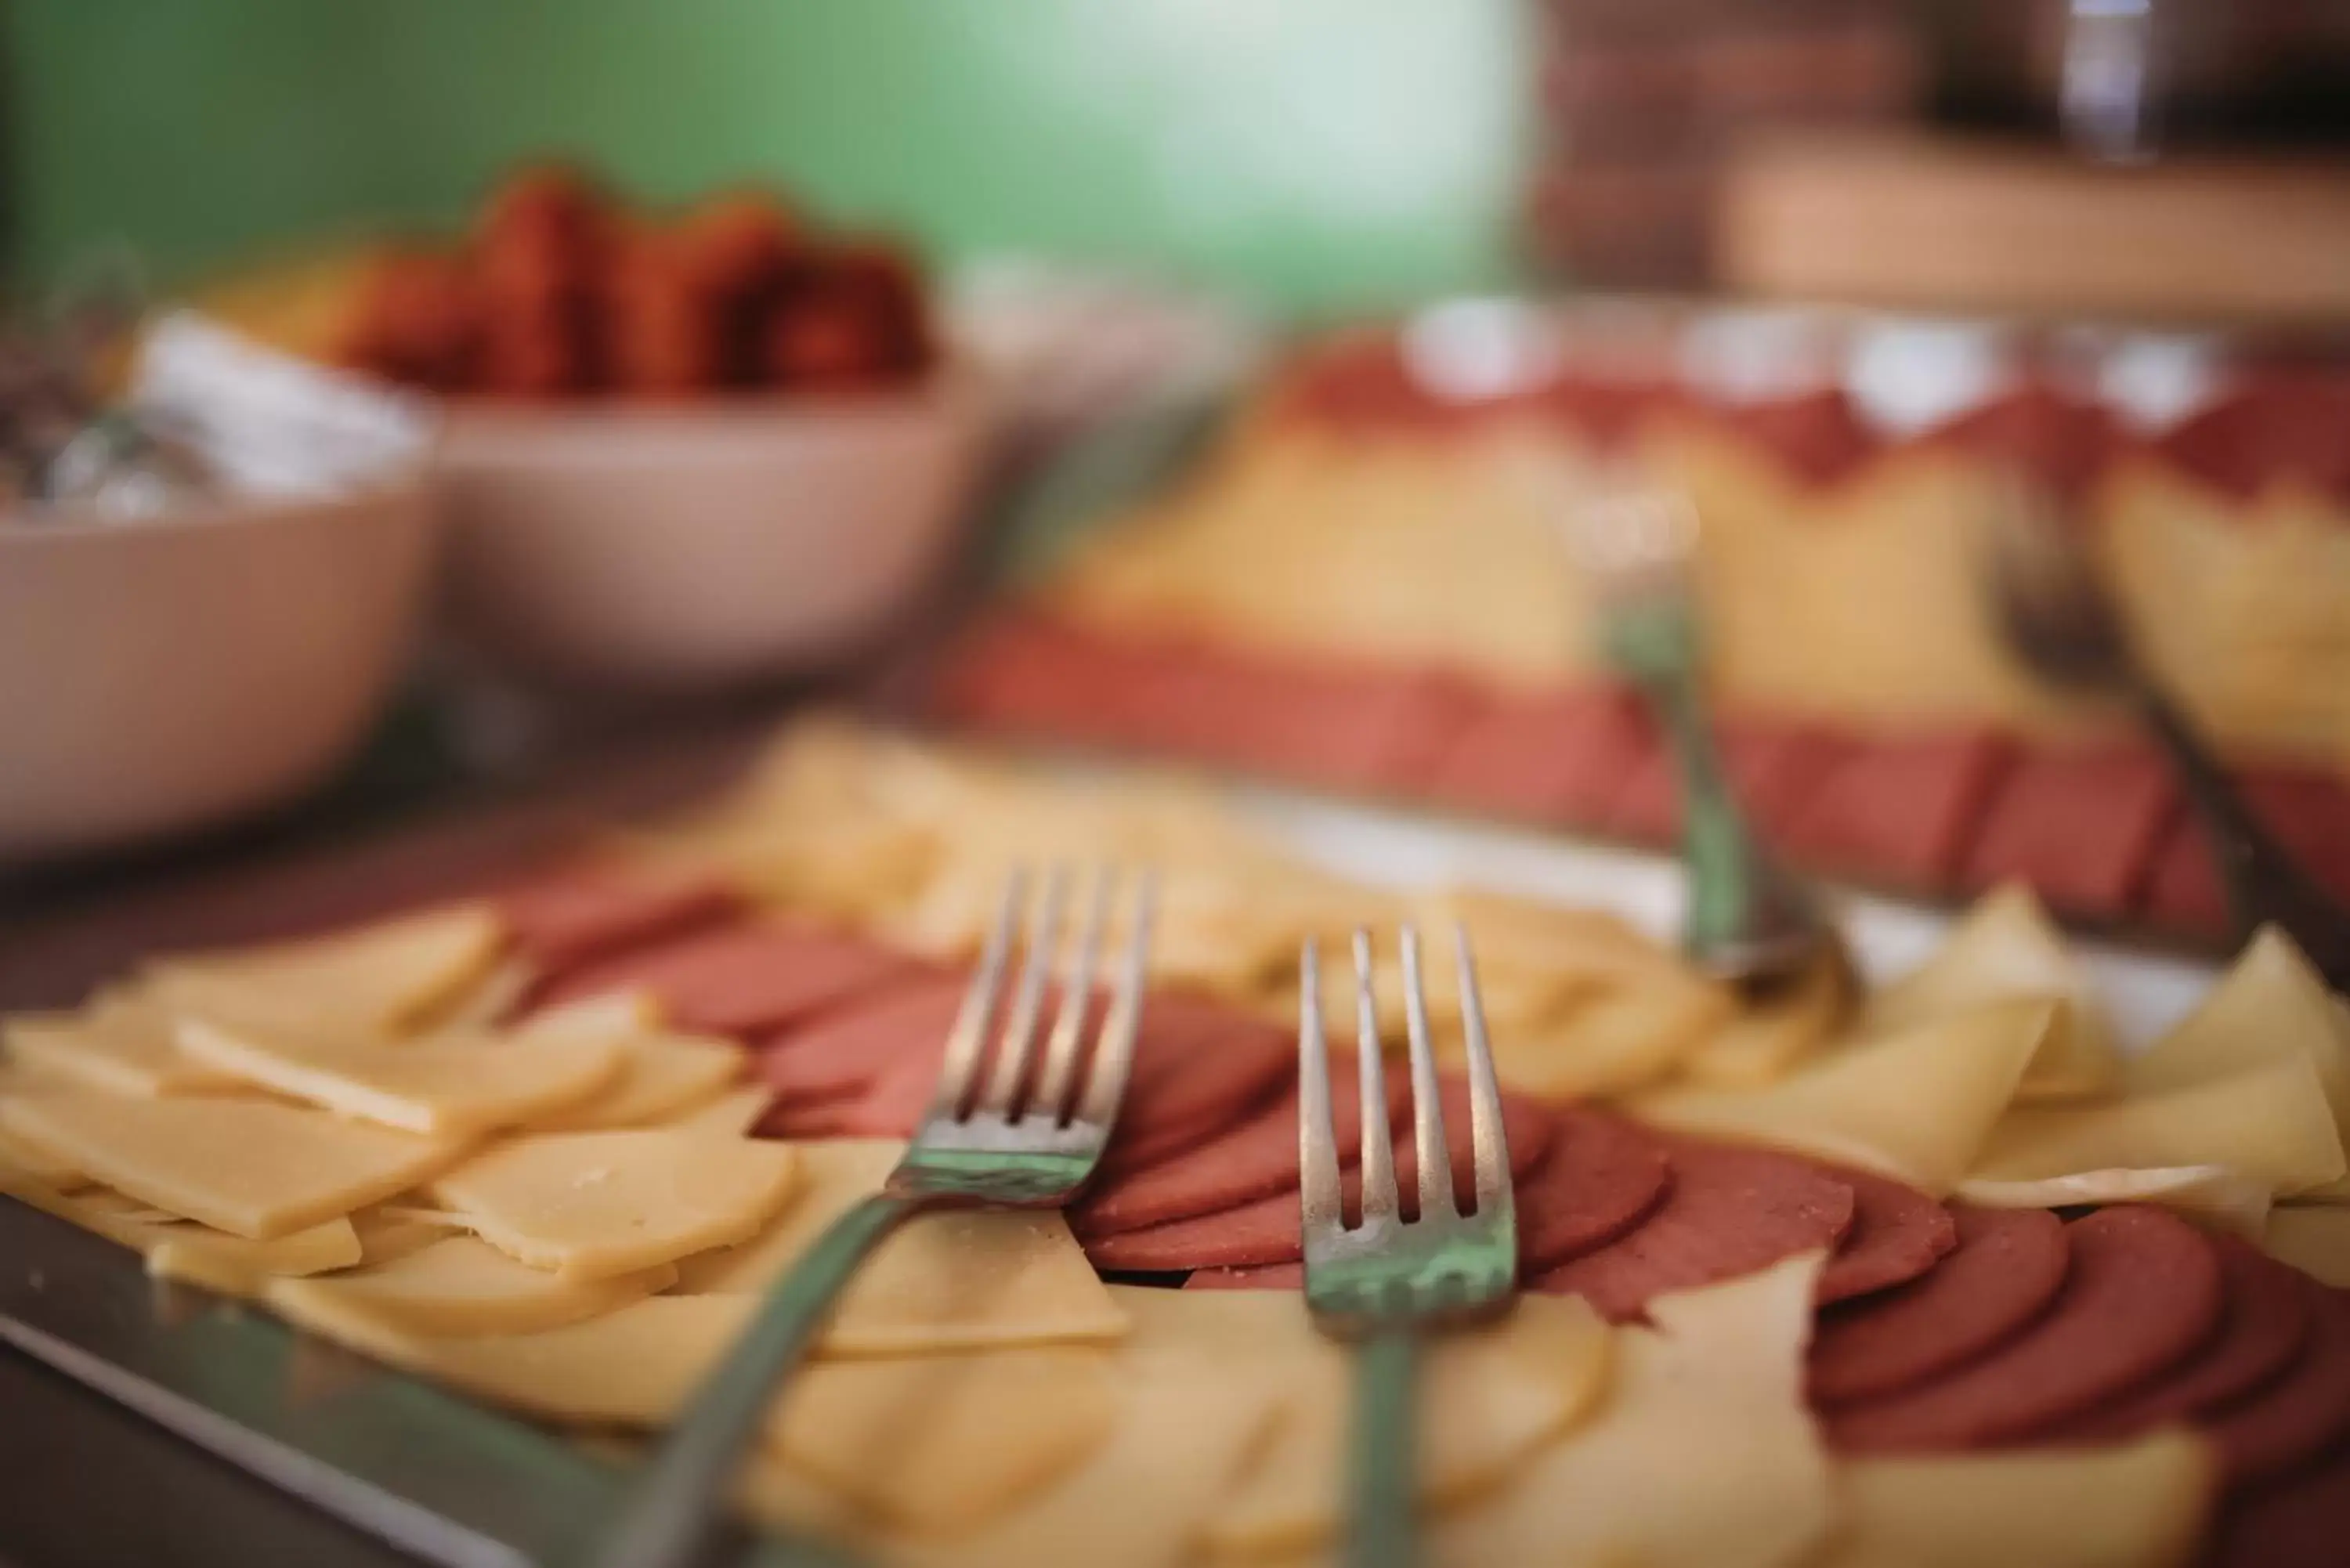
1385 1469
675 1506
2263 883
1744 911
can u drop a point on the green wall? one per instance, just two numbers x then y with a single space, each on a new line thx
1320 155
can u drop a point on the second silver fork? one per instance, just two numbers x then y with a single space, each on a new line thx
1387 1281
1028 1137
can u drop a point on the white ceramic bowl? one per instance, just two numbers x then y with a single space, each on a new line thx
675 547
165 674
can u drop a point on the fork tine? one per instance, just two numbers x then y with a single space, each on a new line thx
968 1038
1113 1060
1317 1135
1380 1200
1013 1050
1427 1110
1060 1069
1490 1147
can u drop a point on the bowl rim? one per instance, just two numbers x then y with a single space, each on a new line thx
955 383
235 513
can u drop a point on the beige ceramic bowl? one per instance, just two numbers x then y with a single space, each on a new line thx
171 673
675 547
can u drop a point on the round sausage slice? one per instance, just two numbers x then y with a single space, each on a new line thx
1898 1233
2007 1265
2301 1414
1602 1177
2142 1294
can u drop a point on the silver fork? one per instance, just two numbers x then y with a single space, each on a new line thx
1746 918
1387 1281
2059 620
1004 1142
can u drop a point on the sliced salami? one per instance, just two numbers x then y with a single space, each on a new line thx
1898 1233
1602 1177
1267 1230
744 980
2299 1415
1730 1211
574 916
2141 1295
2006 1268
876 1060
1199 1065
2265 1324
2296 1523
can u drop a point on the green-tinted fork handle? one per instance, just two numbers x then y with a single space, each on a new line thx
676 1506
1385 1478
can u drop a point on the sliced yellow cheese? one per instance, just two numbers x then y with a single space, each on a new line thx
1762 1042
119 1044
252 1167
489 1002
662 1077
2269 1005
1915 1105
1489 1398
937 1445
456 1085
387 1233
383 977
1613 1041
2137 1505
458 1285
2317 1241
636 1367
956 1280
2007 947
1702 1455
198 1254
2335 1192
1186 1428
2209 1192
732 1115
2268 1124
25 1161
595 1204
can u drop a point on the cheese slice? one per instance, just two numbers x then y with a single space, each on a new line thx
2269 1005
1702 1455
458 1285
2137 1505
456 1085
2209 1192
387 1233
938 1445
1915 1105
121 1044
383 977
635 1367
489 1002
1614 1040
662 1077
595 1204
1762 1042
198 1254
732 1115
2268 1124
23 1161
953 1280
252 1167
2007 947
1489 1398
2317 1241
1186 1428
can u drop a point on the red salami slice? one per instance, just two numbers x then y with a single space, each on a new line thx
573 917
1267 1231
2007 1265
1773 767
1730 1211
1199 1063
881 1052
1602 1177
2265 1324
1901 810
2142 1294
2081 825
1256 1160
1898 1233
744 980
2299 1415
1557 758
